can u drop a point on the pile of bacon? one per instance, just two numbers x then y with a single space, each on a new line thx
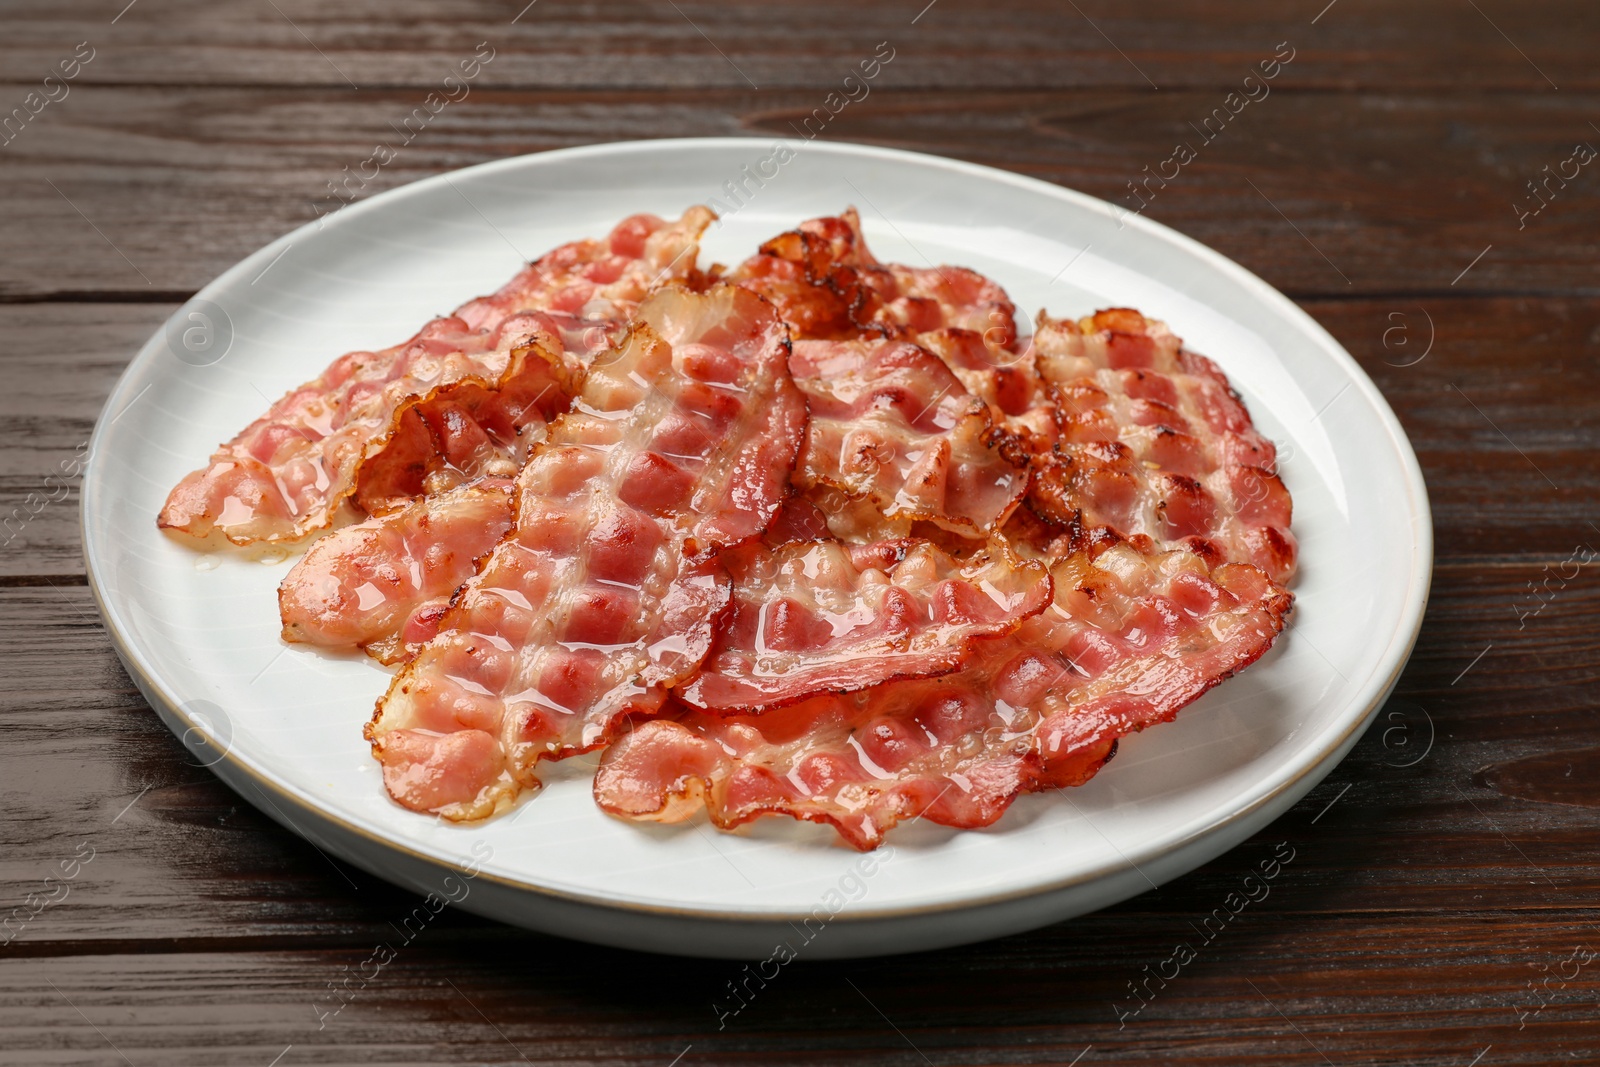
816 536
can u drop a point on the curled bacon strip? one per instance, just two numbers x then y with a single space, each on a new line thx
1129 640
891 424
820 616
1151 441
475 428
606 589
827 285
383 584
286 474
896 435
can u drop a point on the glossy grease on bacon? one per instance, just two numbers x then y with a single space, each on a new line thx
1150 441
607 588
891 426
383 584
828 285
1129 639
286 474
814 616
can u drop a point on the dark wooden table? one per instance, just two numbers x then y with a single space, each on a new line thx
1442 907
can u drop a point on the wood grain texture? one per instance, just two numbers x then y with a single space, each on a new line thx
1571 776
1357 991
1440 908
154 191
62 361
635 45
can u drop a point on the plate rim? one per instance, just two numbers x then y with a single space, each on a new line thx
1389 663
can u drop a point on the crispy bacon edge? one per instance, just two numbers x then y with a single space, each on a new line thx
1185 467
894 428
828 285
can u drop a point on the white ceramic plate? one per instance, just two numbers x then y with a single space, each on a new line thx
199 632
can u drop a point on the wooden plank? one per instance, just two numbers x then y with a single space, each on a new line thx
1487 437
1008 44
61 361
157 190
1323 195
1419 832
1435 910
1272 990
1505 471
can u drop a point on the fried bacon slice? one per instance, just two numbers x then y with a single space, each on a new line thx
897 437
606 589
1006 380
287 473
827 285
476 428
815 616
1150 440
1129 639
384 583
892 426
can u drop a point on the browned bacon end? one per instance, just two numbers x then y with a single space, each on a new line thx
893 427
1151 441
828 286
475 428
